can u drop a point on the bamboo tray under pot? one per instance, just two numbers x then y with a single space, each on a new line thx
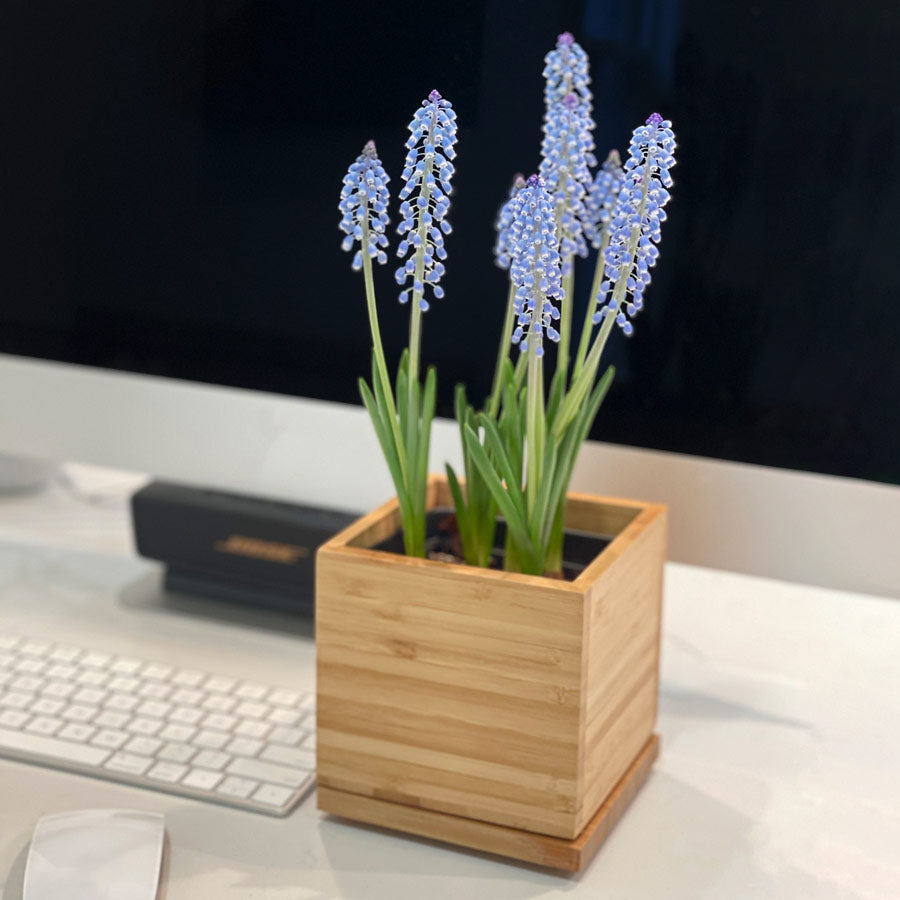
508 713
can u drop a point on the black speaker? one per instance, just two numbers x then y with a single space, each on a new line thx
230 547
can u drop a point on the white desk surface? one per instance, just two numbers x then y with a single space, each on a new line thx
779 715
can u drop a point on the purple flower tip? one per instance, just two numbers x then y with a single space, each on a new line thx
535 181
571 101
566 39
655 119
369 149
434 96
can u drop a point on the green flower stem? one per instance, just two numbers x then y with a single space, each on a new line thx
565 321
582 384
378 350
588 327
534 419
493 404
554 558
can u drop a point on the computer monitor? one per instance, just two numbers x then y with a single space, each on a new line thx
175 300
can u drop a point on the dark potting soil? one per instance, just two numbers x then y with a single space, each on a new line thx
580 548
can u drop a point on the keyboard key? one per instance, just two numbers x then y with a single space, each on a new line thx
109 738
188 678
125 665
219 703
91 677
143 746
23 742
167 771
13 718
30 666
9 641
212 759
58 689
27 683
187 697
245 747
186 715
44 725
180 753
280 716
35 648
273 795
250 691
47 706
157 672
94 660
108 719
89 696
253 710
75 731
80 713
61 672
254 768
16 700
213 740
219 721
237 787
178 733
252 728
282 697
63 654
128 763
295 757
121 702
143 726
123 684
289 736
154 690
220 685
309 742
153 709
202 779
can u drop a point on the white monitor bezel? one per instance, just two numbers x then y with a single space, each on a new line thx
816 529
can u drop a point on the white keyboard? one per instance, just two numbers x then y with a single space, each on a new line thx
157 726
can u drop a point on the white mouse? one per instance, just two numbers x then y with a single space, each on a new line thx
95 854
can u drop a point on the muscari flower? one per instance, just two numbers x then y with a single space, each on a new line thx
566 72
426 174
535 268
602 195
635 225
567 154
364 200
503 225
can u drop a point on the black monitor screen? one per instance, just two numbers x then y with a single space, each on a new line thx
170 173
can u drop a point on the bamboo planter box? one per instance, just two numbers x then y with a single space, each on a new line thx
509 713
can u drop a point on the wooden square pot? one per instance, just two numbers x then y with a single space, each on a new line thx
511 713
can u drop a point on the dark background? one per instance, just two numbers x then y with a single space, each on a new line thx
170 172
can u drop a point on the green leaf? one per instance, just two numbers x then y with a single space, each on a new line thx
499 457
557 392
428 404
515 522
385 439
543 509
463 522
573 440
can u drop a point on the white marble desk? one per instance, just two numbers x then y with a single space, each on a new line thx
779 714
